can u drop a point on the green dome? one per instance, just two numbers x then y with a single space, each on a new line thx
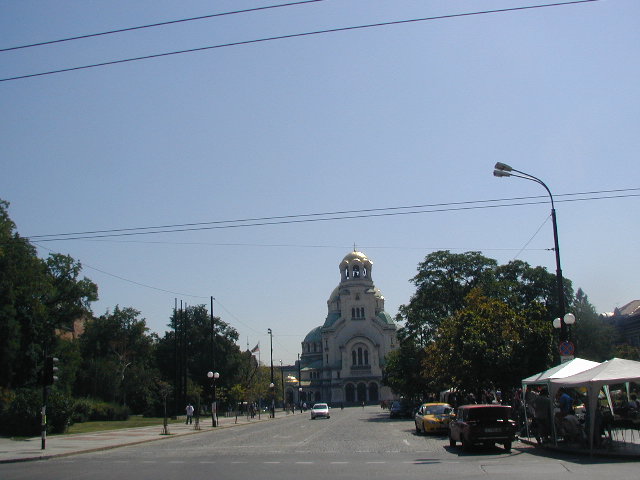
385 318
314 335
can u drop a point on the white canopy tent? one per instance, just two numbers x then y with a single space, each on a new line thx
611 372
563 370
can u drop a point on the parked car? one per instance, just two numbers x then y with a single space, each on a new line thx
320 410
433 418
400 410
482 424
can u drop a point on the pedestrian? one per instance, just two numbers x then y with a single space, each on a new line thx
189 411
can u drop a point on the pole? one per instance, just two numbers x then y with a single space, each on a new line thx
43 412
175 357
503 170
284 404
559 282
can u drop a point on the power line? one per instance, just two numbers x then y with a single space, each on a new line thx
324 217
294 35
153 25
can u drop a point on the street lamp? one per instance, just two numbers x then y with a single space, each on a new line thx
273 400
300 397
214 410
504 170
284 406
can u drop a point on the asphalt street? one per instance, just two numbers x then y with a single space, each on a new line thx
354 443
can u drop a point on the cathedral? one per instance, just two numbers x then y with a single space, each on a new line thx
342 360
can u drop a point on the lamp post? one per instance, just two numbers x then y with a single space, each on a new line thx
272 410
300 397
284 404
504 170
271 385
214 408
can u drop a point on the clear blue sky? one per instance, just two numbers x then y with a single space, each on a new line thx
409 114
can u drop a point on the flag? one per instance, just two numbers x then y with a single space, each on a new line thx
256 348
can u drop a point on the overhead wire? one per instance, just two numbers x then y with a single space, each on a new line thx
330 216
154 25
294 35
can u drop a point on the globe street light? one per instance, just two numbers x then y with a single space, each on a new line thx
504 170
214 410
300 398
273 400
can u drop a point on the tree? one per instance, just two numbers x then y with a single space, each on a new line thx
118 359
487 345
187 353
400 371
593 337
442 282
23 286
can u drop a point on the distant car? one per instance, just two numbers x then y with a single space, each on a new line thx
433 418
482 424
320 410
400 410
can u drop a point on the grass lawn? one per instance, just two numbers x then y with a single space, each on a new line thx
134 421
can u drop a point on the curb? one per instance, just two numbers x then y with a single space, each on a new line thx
48 456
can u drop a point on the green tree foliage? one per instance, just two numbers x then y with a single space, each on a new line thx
486 345
403 373
36 298
191 350
627 352
442 282
118 359
593 337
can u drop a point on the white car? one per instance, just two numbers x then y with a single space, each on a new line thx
320 410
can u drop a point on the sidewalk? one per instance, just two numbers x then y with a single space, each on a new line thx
63 445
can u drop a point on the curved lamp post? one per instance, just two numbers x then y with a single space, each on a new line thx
504 170
214 409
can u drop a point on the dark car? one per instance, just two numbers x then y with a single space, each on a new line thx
401 410
482 424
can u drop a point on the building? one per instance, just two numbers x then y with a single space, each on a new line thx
626 321
342 360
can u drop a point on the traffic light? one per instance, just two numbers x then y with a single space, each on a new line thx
50 370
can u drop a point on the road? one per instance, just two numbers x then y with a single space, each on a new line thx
354 443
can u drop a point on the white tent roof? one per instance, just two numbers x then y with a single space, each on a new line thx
563 370
617 370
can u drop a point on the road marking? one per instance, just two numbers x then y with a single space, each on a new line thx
406 442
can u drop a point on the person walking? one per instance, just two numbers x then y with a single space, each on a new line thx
189 411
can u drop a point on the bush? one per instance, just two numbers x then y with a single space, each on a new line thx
81 410
108 411
21 417
59 412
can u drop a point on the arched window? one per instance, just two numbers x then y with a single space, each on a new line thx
353 358
361 312
353 313
373 392
359 356
356 271
350 392
362 392
366 357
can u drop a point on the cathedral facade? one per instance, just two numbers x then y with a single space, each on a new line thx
342 360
